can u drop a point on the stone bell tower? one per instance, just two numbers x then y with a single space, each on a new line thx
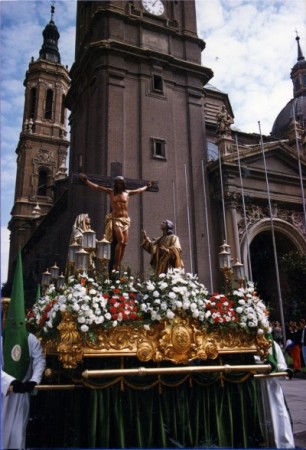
42 147
136 98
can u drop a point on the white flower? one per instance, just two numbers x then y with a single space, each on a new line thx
84 328
195 313
150 287
163 306
170 314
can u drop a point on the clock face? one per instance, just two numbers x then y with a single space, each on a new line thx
155 7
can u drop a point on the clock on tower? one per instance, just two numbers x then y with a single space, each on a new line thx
154 7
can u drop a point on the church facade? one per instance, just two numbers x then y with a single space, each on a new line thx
141 106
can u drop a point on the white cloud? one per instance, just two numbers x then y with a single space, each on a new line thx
252 43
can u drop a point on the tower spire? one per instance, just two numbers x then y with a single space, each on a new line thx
49 50
300 53
52 9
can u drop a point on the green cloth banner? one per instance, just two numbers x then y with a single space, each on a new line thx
15 337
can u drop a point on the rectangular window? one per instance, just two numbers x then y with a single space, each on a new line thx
49 104
158 84
63 110
33 103
159 148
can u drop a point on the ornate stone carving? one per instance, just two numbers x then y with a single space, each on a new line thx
44 156
224 122
254 213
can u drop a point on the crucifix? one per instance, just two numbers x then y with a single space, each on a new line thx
117 223
107 181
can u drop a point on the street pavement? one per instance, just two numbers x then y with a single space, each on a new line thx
295 394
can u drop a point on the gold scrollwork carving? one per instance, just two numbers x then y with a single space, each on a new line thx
70 348
179 340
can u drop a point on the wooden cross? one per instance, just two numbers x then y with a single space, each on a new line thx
116 170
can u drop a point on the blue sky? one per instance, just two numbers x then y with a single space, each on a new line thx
250 46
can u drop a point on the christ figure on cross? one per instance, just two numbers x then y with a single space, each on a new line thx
117 223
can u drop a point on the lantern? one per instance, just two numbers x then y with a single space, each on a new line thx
46 278
54 272
89 239
81 260
73 248
104 249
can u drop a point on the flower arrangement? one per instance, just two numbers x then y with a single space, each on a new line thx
106 304
250 309
123 299
221 310
173 292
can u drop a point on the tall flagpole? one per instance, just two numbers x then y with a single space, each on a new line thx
188 219
273 241
244 213
222 195
207 229
299 164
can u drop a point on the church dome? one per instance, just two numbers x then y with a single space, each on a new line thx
296 107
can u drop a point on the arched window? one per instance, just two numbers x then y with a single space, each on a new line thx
63 109
49 104
42 182
33 103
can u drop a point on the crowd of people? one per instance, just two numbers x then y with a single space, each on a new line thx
294 343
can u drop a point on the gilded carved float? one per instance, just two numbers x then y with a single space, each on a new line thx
179 340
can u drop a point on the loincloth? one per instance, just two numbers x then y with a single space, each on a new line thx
120 222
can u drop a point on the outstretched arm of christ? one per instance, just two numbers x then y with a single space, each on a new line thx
141 189
97 187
